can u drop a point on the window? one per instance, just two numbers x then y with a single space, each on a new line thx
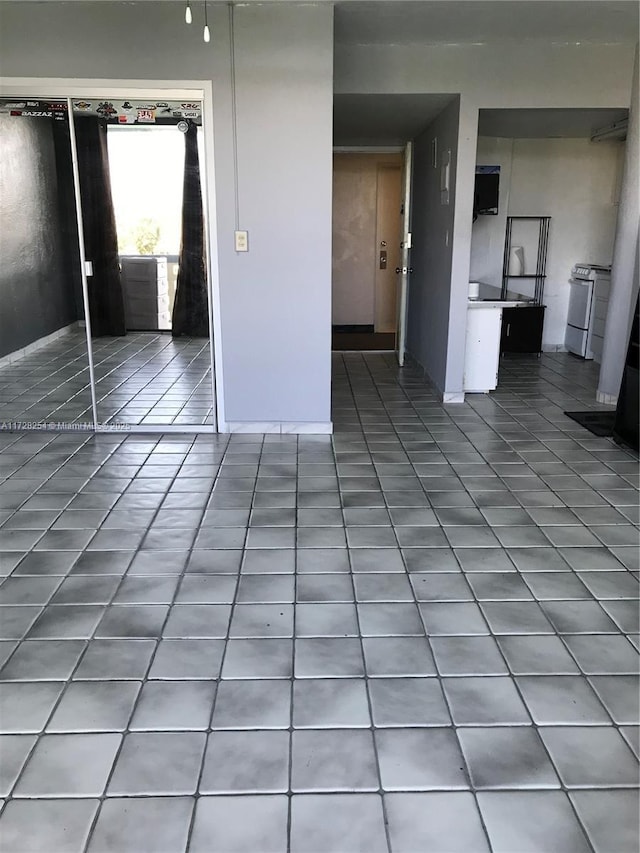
147 171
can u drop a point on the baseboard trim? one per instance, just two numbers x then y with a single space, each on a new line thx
278 427
156 429
34 346
607 399
445 397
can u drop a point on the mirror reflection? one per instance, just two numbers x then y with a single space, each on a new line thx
139 168
44 375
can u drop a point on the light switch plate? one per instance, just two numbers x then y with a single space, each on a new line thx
242 241
88 268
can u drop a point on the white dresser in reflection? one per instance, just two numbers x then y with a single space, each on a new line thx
146 293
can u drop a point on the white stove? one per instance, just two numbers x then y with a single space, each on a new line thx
588 301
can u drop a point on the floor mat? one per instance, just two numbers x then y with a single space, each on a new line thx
344 341
599 423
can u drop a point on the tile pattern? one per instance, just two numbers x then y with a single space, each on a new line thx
425 627
144 378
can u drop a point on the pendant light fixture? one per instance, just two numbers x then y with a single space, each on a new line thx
187 13
207 34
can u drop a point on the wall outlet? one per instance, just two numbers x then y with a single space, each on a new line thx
242 241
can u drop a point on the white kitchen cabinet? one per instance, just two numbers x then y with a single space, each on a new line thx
484 326
482 352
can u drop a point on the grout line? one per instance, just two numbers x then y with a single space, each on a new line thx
66 682
197 796
158 640
440 682
372 728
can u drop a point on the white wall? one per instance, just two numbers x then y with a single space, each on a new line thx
275 300
572 180
625 272
461 259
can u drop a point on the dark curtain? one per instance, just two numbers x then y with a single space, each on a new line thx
67 211
106 302
190 308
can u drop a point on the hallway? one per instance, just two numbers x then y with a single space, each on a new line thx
420 634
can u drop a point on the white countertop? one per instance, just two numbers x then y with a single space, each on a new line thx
489 297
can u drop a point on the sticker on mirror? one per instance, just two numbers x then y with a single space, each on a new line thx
106 109
146 116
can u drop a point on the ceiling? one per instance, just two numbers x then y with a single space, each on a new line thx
478 21
383 119
544 124
408 22
391 120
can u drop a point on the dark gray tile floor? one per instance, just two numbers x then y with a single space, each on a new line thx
418 636
144 378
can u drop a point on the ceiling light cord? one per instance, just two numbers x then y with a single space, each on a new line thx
206 34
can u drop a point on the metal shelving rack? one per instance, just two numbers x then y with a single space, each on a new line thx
541 261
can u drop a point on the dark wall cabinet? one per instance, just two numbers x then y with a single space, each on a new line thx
522 329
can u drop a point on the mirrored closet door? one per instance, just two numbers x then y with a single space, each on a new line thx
139 173
44 365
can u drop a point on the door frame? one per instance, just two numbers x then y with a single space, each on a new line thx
64 88
403 289
382 149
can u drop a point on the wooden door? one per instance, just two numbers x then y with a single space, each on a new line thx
388 239
354 234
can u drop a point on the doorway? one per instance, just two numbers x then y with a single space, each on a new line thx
367 254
